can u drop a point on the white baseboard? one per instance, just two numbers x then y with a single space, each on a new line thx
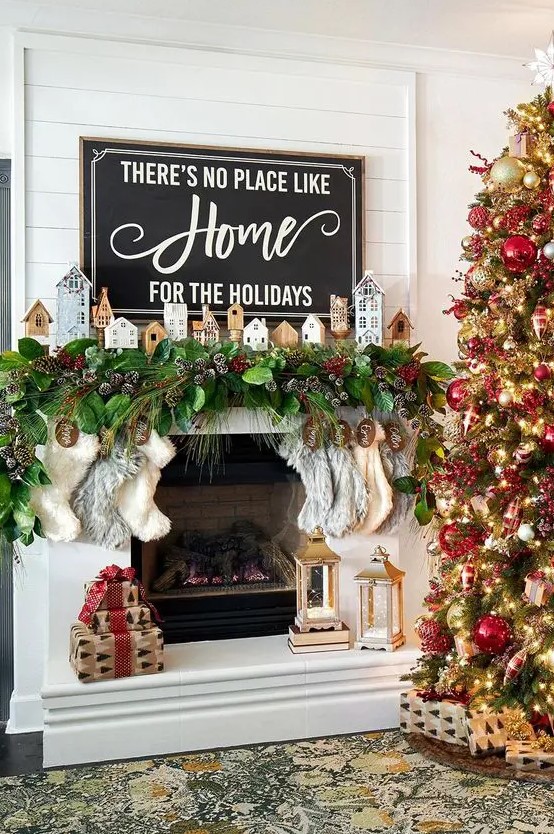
26 714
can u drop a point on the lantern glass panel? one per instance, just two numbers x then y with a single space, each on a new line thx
396 609
321 592
375 612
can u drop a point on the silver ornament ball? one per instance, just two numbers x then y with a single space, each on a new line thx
505 398
525 533
548 250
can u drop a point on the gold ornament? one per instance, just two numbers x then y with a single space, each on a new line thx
509 344
454 615
544 742
505 398
518 728
507 172
466 242
482 278
498 222
531 180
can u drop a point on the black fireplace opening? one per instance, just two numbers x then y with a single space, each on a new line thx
226 570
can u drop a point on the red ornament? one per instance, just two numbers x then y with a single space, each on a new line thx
492 634
542 372
478 217
456 393
541 223
495 303
547 440
470 419
539 320
515 665
523 454
433 639
512 518
551 180
518 253
515 216
468 575
550 108
447 538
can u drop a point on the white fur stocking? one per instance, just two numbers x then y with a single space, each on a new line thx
66 469
370 465
136 496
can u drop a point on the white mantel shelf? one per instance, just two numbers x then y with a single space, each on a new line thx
221 694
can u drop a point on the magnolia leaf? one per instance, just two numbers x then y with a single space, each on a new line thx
183 413
163 349
41 380
383 399
12 359
165 421
198 397
31 475
422 512
290 404
438 370
5 489
116 407
30 348
34 427
258 375
79 346
407 484
130 360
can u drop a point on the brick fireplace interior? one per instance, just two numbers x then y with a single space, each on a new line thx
226 569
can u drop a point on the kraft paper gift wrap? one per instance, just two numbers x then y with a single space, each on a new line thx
102 657
118 594
135 618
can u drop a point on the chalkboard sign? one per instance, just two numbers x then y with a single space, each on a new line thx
275 232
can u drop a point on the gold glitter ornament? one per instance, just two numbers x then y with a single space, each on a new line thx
507 173
454 615
518 728
531 180
482 278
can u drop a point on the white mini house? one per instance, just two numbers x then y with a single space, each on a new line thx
368 311
256 334
313 330
121 334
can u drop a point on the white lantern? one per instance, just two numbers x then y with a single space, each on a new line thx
380 620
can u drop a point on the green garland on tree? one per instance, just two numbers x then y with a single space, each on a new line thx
108 392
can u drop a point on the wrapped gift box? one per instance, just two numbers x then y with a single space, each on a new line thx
119 594
521 144
102 657
486 733
465 647
443 720
523 755
134 618
537 590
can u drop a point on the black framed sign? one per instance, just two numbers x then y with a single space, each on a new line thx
275 232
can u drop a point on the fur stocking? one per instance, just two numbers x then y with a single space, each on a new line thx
66 468
313 468
351 501
395 465
136 496
94 501
369 463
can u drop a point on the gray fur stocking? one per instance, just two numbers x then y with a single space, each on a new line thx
313 468
395 465
94 501
351 501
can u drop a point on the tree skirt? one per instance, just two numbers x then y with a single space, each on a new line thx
460 757
346 785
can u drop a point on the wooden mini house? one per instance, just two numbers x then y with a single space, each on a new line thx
153 334
102 314
284 335
207 330
339 317
400 327
37 321
235 322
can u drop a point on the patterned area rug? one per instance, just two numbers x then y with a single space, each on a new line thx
345 785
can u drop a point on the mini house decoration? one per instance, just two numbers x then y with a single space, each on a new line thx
380 618
37 321
317 626
313 330
73 306
339 317
102 314
207 330
235 322
284 335
368 311
153 334
400 327
176 321
121 333
256 334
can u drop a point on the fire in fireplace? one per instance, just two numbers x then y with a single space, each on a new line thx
227 568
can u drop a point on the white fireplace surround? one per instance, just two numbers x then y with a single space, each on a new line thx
211 694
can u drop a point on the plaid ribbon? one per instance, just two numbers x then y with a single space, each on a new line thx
106 585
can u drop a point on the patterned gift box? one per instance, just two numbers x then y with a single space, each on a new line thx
134 618
537 590
521 144
465 647
486 733
443 720
522 755
102 657
119 594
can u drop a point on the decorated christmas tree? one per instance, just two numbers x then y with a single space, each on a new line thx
488 637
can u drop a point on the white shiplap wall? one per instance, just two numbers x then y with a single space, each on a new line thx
76 87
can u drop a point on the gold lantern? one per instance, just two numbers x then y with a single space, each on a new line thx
380 621
318 626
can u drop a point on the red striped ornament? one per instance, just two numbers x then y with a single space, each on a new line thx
512 518
468 575
539 320
515 665
470 418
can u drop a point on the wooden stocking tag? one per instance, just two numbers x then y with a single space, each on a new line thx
310 435
343 433
67 434
395 437
365 432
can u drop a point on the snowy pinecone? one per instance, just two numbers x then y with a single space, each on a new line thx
12 389
11 462
383 386
183 364
16 474
61 380
332 377
24 455
425 410
105 388
5 407
295 358
172 398
416 423
115 379
314 384
46 365
13 375
403 413
271 385
90 376
6 452
199 364
399 383
339 382
127 388
411 396
343 396
210 373
399 402
12 424
219 358
425 434
335 401
222 370
380 372
132 377
328 396
199 379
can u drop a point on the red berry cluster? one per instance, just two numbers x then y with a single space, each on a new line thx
491 386
433 639
546 198
515 216
458 476
512 482
543 272
239 364
478 217
436 595
335 365
545 503
66 361
531 401
410 372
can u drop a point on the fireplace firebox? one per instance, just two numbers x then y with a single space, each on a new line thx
226 569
